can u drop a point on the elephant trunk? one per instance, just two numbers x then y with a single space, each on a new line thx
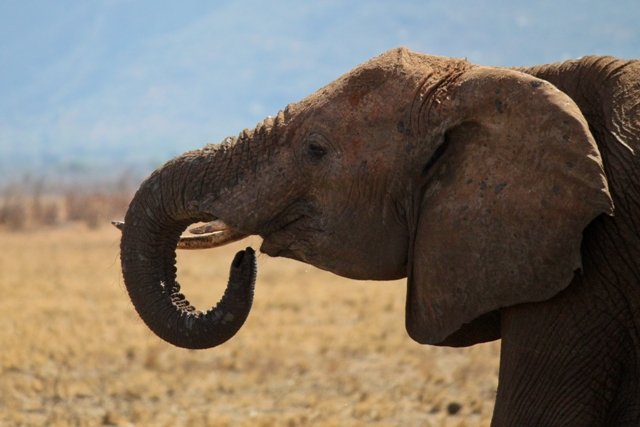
173 197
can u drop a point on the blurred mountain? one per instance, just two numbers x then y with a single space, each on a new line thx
89 89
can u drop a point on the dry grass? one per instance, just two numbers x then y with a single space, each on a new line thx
316 350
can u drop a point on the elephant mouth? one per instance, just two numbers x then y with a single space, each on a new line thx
280 241
282 236
286 234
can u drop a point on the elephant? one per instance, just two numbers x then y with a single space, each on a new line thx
508 197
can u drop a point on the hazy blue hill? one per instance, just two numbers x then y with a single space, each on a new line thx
95 88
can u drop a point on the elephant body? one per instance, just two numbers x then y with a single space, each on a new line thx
584 344
509 198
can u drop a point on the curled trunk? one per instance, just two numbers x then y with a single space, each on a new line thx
166 203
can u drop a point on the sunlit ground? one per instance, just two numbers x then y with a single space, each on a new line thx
316 350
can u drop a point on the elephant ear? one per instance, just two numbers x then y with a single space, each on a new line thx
503 208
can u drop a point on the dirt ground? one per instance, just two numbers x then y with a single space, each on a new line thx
317 350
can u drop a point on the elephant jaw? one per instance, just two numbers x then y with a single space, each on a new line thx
210 235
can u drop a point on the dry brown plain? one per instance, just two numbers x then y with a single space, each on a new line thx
316 350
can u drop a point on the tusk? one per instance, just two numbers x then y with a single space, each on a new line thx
209 227
211 235
211 240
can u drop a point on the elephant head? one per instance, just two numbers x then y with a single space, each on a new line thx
474 182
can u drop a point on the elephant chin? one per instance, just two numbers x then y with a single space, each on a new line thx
274 249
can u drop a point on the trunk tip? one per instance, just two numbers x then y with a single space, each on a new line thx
238 260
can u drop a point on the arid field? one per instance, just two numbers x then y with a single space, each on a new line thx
317 350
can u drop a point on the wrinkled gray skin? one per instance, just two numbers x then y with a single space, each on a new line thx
485 187
583 346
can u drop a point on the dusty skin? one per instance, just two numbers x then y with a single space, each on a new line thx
334 353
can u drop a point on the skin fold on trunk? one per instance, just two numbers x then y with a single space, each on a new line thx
164 206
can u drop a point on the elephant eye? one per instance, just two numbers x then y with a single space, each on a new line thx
316 149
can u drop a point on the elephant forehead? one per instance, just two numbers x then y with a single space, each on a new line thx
383 83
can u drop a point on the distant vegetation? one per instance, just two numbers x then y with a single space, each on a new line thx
36 202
